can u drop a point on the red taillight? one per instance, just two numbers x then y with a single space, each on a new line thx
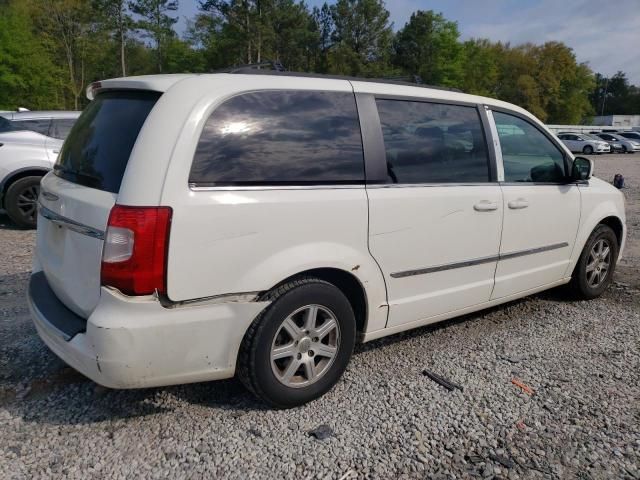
134 257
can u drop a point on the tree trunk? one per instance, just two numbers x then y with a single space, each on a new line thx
121 27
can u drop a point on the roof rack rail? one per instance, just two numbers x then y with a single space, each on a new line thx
251 67
270 67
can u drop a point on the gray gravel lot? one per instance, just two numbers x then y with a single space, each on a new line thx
582 360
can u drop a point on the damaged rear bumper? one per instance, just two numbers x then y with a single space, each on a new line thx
132 342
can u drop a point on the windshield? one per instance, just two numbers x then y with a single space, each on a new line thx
98 147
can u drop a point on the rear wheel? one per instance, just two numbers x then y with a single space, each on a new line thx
299 346
587 150
21 201
594 270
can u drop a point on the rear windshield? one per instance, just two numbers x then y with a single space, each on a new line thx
7 125
98 147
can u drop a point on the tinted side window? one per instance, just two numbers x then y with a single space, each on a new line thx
282 138
61 127
433 143
38 126
527 154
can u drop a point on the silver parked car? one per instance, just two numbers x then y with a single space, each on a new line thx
29 145
580 142
628 145
631 135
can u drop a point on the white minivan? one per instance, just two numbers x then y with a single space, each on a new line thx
197 227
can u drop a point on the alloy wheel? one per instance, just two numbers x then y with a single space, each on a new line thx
305 346
599 263
27 202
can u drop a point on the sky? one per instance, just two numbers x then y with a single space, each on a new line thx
606 35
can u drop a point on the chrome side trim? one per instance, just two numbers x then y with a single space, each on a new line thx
447 266
431 185
479 261
70 224
237 188
532 251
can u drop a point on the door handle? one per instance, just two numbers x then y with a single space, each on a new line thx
518 204
485 206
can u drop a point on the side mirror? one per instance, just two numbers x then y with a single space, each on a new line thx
582 169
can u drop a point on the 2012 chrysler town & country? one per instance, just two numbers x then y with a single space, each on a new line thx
197 227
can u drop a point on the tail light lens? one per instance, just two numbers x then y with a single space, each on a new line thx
134 257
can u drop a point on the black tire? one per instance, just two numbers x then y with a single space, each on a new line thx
624 149
587 150
254 366
21 201
580 284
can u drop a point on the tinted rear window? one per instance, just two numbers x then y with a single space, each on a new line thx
98 147
7 125
281 138
40 125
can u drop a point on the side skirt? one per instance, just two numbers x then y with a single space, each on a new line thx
456 313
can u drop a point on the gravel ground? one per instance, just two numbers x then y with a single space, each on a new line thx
581 361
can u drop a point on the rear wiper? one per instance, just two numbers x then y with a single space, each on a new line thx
81 176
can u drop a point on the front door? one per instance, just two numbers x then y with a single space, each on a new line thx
541 210
434 229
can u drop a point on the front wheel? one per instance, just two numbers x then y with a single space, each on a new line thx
299 346
587 150
594 270
624 149
21 201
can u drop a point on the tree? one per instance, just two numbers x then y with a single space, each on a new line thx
156 23
28 75
113 14
428 46
362 38
68 30
481 67
322 24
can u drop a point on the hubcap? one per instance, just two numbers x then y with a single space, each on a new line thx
28 201
305 346
599 263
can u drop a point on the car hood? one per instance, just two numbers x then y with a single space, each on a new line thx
22 136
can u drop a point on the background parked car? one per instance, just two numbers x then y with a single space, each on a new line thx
578 142
628 145
29 145
634 136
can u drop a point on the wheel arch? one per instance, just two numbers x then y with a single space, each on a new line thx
6 182
615 223
347 283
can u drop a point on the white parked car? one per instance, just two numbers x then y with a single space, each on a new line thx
577 142
197 227
628 145
29 145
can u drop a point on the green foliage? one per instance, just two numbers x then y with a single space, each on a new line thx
50 50
615 95
362 38
428 46
27 73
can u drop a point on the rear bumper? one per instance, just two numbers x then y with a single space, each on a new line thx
136 342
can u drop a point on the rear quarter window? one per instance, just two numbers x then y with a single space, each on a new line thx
97 150
281 138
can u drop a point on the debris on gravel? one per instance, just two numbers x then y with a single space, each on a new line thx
582 359
321 432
